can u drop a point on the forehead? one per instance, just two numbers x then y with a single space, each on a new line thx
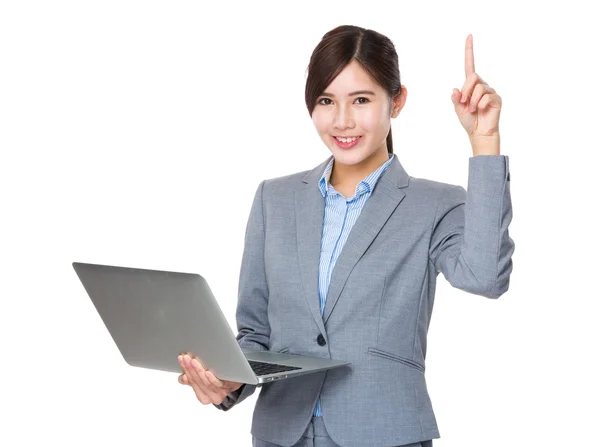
353 77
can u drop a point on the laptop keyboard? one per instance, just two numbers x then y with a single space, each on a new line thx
262 369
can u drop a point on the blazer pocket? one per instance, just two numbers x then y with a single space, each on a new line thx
396 358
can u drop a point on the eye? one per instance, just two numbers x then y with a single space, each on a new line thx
365 101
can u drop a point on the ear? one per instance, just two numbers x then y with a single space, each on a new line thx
399 101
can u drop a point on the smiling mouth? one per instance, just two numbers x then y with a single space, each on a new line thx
346 138
348 142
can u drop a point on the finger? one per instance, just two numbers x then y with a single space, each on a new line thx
200 394
189 379
224 385
490 100
184 367
192 375
469 85
478 92
201 383
196 382
469 57
199 370
213 393
455 97
184 380
214 381
192 372
181 359
222 390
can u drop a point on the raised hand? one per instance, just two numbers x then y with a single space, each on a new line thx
477 104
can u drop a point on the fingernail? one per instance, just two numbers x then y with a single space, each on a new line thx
462 98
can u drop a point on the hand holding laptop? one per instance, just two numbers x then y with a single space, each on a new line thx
208 388
154 314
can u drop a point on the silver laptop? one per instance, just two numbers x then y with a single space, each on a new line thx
153 315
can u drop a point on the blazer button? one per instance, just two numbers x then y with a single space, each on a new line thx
321 340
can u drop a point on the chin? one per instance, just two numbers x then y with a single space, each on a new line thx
350 157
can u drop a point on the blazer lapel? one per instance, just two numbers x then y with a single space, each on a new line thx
310 210
384 199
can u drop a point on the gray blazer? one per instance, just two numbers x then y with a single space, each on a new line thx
379 301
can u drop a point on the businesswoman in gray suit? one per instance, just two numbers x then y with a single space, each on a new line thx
341 261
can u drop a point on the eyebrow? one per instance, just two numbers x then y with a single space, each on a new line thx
358 92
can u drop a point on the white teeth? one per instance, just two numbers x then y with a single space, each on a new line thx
347 140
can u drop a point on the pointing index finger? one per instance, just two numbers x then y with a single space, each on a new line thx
469 58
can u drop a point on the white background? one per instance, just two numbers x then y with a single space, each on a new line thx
136 133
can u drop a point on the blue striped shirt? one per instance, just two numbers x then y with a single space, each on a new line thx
340 216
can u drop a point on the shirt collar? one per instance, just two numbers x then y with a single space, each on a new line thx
365 185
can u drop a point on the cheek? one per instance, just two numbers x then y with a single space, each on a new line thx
372 121
319 122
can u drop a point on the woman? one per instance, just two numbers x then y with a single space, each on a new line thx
387 234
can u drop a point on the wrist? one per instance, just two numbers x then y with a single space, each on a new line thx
485 144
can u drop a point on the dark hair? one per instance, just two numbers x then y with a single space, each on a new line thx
373 51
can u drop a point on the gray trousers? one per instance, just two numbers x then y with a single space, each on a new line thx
316 436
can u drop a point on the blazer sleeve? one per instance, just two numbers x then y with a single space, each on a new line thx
253 295
470 243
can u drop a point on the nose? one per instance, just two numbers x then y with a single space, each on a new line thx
343 119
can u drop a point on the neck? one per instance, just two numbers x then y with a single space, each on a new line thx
342 174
